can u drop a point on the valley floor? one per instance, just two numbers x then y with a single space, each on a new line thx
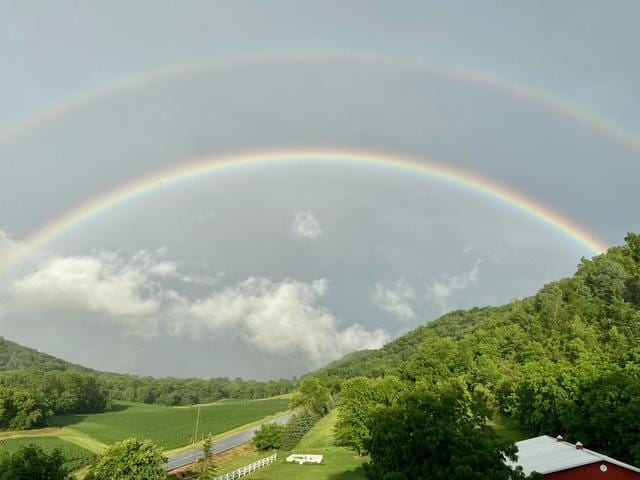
339 463
81 437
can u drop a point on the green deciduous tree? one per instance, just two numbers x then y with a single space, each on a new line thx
312 395
269 436
21 409
358 398
607 412
33 463
437 433
129 459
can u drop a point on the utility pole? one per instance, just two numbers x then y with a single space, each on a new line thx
195 437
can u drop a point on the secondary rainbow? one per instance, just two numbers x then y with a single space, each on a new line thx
214 164
522 92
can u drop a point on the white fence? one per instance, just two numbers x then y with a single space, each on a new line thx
247 469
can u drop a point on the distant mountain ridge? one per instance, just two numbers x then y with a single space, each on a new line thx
14 356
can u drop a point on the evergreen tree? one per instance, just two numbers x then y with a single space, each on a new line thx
206 469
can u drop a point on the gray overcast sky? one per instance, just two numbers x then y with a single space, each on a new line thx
269 271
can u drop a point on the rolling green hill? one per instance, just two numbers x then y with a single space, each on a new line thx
16 357
597 311
19 365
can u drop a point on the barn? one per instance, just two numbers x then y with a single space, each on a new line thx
559 460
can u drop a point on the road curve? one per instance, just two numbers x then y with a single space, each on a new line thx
191 456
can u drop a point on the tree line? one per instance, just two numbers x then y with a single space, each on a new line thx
189 391
28 398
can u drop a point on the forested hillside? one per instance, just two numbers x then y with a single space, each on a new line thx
391 358
16 357
566 360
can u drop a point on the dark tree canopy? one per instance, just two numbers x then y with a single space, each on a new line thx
312 395
129 459
33 463
269 437
437 433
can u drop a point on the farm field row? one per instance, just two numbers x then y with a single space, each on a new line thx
76 455
168 427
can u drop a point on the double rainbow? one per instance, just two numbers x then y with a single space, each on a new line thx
214 164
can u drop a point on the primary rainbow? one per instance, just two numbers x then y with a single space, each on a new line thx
219 163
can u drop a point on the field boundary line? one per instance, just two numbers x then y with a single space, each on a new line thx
81 439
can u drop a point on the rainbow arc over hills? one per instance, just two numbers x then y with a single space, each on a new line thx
214 164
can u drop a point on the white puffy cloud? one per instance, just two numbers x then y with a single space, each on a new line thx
102 283
396 300
441 291
280 318
306 225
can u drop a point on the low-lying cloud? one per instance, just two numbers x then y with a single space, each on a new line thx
102 283
279 318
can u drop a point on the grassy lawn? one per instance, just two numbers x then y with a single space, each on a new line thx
510 430
339 463
76 455
238 457
169 427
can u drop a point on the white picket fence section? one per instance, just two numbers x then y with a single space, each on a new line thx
247 469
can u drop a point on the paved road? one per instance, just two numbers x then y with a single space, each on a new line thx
186 458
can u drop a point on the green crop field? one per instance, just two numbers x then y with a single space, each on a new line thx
169 427
339 463
76 455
